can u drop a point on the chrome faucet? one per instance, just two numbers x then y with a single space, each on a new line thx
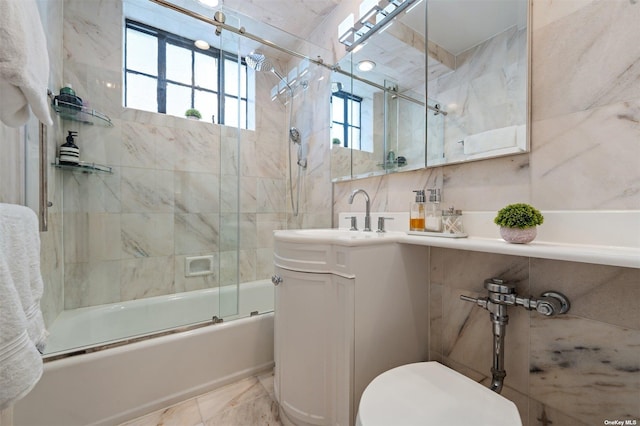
367 217
501 295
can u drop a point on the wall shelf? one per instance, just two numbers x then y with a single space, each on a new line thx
80 114
82 167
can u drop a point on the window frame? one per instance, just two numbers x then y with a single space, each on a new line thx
347 123
163 39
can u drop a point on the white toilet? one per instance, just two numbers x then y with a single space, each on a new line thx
428 393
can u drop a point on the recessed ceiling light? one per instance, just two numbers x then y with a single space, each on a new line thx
201 44
366 65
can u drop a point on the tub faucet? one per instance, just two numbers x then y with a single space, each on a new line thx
367 216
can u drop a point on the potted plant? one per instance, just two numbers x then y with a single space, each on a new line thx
193 114
518 223
336 141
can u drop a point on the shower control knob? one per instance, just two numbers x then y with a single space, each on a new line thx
276 279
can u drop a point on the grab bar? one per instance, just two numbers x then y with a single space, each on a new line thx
44 203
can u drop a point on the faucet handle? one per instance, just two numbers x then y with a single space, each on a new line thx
354 223
381 223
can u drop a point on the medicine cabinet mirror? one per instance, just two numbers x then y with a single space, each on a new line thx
469 78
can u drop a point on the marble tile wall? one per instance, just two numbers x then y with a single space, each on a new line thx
12 165
179 188
582 368
479 95
19 169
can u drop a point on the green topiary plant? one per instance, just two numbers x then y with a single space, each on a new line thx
192 112
519 215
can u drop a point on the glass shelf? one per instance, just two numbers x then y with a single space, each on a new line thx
83 167
80 114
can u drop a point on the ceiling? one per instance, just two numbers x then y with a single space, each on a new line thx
297 17
458 25
455 25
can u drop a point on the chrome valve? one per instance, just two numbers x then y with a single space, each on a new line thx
501 295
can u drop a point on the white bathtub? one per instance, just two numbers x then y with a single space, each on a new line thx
117 384
91 326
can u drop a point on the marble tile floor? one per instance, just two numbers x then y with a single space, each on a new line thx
248 402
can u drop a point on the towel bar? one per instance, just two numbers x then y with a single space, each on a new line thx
43 209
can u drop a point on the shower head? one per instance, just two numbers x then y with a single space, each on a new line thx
259 62
294 135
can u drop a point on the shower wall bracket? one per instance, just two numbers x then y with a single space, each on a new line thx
501 295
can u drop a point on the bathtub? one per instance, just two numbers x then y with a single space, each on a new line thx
123 382
96 325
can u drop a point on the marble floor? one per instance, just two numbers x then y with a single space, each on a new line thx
248 402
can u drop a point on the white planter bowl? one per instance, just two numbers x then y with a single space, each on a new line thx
517 235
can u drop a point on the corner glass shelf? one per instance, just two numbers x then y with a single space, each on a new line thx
83 167
80 114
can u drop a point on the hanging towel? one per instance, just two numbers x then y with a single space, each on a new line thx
22 331
24 64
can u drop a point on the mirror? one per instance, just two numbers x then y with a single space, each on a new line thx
386 110
474 69
478 75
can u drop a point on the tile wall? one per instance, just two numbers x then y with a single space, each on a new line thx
175 187
583 368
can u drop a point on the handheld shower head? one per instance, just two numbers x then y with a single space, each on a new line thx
294 135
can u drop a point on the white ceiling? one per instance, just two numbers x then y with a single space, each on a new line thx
458 25
455 25
297 17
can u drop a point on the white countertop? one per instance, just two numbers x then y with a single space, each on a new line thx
602 255
590 243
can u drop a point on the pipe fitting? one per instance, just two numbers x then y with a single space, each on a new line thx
501 295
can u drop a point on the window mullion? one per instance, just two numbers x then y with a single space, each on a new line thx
162 74
193 79
345 120
221 93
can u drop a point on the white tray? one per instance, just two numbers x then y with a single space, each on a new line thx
437 234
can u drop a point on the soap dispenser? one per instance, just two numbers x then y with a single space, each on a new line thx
69 153
417 212
433 215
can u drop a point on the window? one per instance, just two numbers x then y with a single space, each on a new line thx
166 73
345 119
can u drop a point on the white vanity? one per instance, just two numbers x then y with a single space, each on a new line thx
352 304
349 305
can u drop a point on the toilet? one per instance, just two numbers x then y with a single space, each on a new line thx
428 393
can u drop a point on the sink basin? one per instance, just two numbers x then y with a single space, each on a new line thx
338 236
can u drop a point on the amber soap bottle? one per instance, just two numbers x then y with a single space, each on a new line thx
417 212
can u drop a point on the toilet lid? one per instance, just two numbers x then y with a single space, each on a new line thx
428 393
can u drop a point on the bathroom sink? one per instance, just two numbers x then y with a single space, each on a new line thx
338 236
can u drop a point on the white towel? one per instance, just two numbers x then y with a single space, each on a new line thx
22 331
504 137
24 64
